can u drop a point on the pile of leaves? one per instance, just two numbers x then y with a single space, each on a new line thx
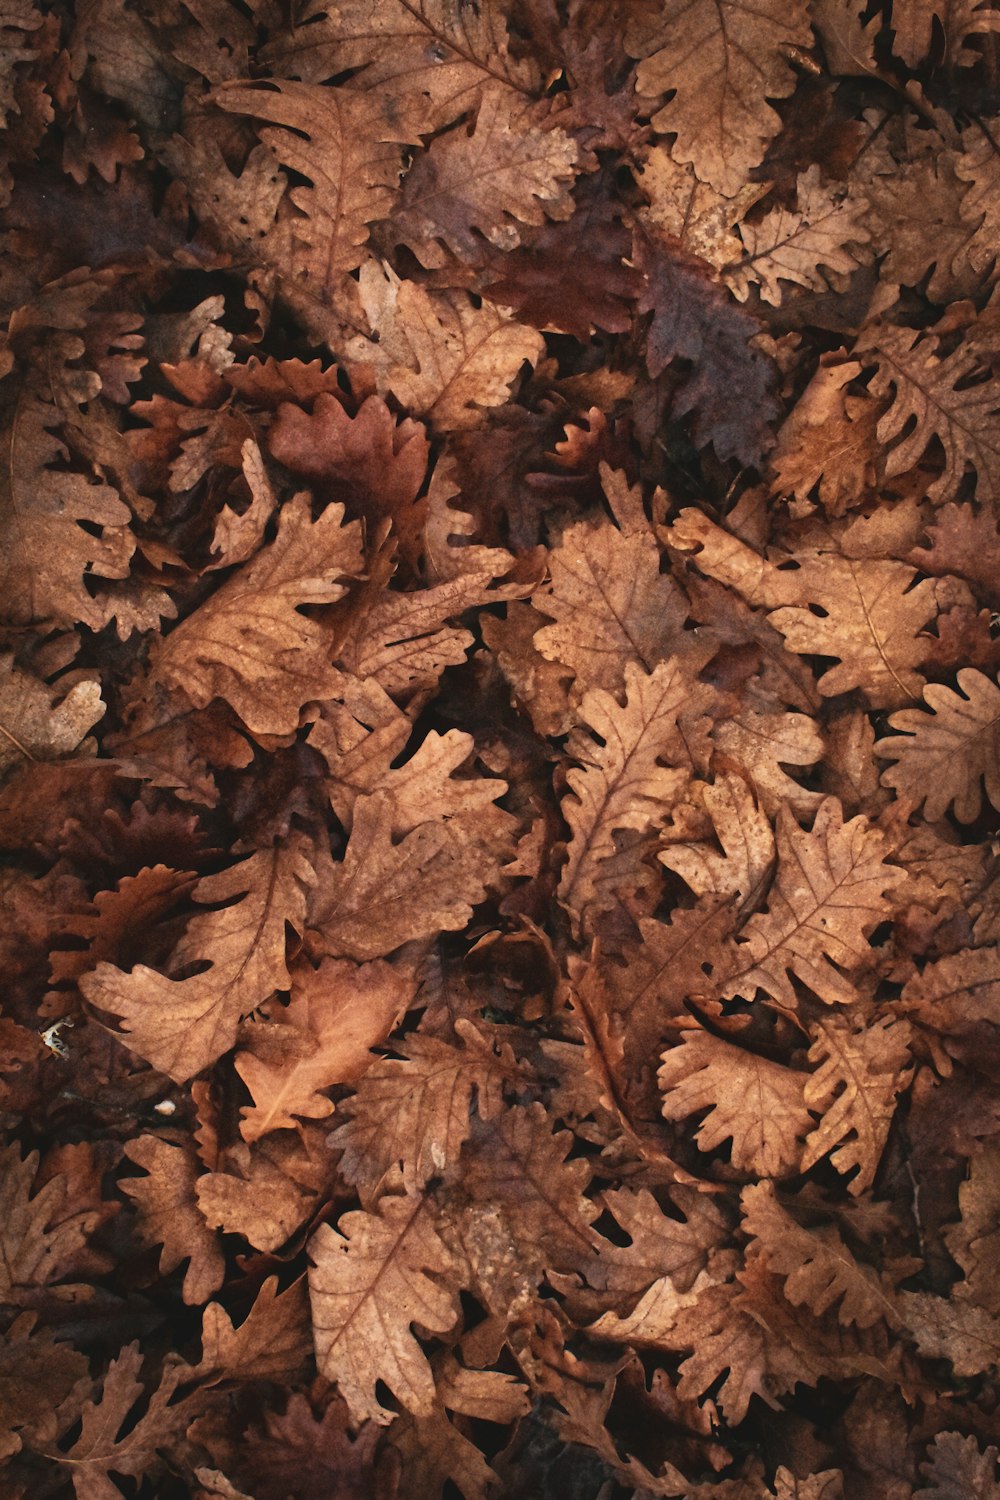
500 743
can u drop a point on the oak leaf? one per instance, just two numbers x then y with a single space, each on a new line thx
638 762
248 642
168 1214
829 893
38 722
429 60
489 181
611 605
953 1329
792 246
383 894
41 1233
271 1343
370 1280
819 1269
341 143
56 526
416 1110
957 1467
744 836
751 1101
321 1038
265 1192
183 1025
724 61
955 993
859 1071
935 397
442 357
945 757
112 1439
913 27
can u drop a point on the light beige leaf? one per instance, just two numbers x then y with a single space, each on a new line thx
724 60
754 1102
442 357
631 780
183 1025
793 244
945 757
693 212
859 1069
485 182
248 643
828 895
370 1281
322 1038
760 741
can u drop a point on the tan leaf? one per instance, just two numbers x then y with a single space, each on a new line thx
370 1281
488 181
859 1070
340 142
949 754
321 1038
959 1469
760 741
183 1025
416 1110
265 1192
56 526
169 1215
611 603
248 643
724 61
660 1244
634 773
110 1439
693 212
949 1328
956 992
442 357
42 723
41 1233
271 1343
819 1270
792 245
362 732
755 1103
383 894
933 397
744 834
828 440
828 895
427 59
914 25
